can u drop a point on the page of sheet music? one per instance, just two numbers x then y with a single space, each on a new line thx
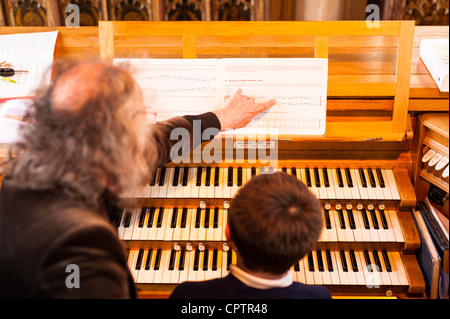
299 85
32 52
173 87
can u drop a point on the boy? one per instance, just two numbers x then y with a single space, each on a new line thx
274 221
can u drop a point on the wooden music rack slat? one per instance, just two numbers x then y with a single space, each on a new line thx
190 36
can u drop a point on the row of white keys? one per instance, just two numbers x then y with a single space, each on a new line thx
351 271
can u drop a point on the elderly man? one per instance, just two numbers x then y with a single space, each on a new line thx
88 142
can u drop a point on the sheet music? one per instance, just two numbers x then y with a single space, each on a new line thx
173 87
176 87
299 85
32 52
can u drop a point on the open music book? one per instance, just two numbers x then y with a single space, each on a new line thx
31 52
174 87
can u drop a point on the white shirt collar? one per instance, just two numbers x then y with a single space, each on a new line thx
260 283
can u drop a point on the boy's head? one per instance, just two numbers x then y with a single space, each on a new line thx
274 220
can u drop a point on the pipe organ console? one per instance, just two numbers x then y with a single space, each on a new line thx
174 228
359 170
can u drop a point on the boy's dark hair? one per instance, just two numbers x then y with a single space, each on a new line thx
274 221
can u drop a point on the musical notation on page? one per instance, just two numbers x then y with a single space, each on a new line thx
174 87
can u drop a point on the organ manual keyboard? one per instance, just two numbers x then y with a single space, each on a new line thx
359 170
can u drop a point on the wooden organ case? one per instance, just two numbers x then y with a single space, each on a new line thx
360 169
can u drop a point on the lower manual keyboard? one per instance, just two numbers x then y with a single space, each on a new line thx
336 269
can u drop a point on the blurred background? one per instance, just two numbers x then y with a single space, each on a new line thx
53 12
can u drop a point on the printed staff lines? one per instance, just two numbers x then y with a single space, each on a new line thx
298 101
170 77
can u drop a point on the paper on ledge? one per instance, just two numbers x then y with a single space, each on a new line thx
176 87
28 51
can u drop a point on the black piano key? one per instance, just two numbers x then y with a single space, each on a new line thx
216 176
367 260
197 217
341 219
176 176
325 177
371 178
142 217
387 262
207 213
230 176
172 259
294 171
160 217
196 259
214 261
380 178
127 219
199 176
229 258
320 260
297 266
327 218
119 218
365 219
185 176
253 171
148 260
383 219
348 177
139 259
205 259
310 262
329 260
362 176
183 217
208 176
153 180
317 176
376 259
343 261
157 259
216 218
353 261
239 176
351 219
182 256
339 177
162 176
151 217
173 222
308 177
374 219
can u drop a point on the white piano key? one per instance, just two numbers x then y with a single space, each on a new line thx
128 231
141 273
348 231
218 190
392 184
193 230
309 275
341 235
318 280
202 189
163 189
334 275
358 194
390 235
381 231
185 232
334 181
351 274
211 189
372 231
171 190
184 274
179 188
132 257
218 232
343 275
202 230
386 190
326 277
386 280
217 273
177 230
331 193
191 273
168 233
395 225
210 229
357 232
226 188
159 274
175 272
360 276
393 274
190 182
160 231
363 193
399 268
136 229
154 190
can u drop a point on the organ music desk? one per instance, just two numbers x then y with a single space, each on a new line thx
174 226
